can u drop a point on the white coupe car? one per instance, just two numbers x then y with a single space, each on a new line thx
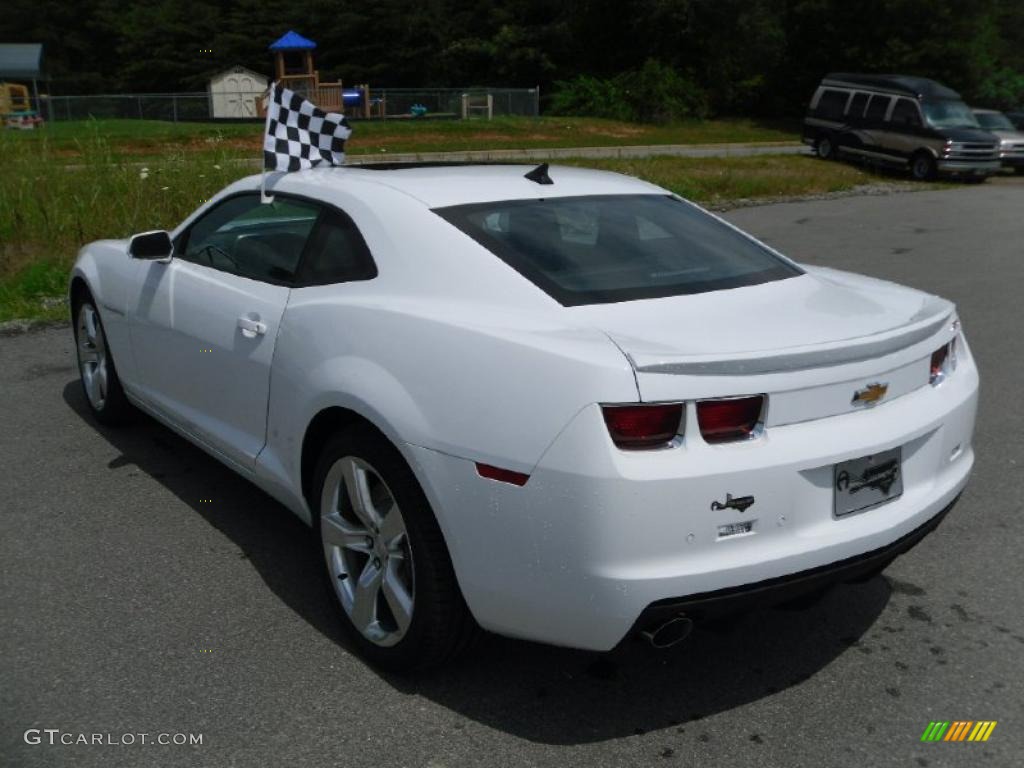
558 404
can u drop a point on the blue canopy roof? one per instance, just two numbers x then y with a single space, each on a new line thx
292 41
22 60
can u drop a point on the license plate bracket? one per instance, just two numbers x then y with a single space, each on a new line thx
866 482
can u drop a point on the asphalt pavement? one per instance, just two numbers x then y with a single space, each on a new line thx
146 589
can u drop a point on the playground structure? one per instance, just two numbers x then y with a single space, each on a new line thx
19 105
16 107
294 69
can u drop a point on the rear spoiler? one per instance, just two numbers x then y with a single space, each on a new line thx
929 321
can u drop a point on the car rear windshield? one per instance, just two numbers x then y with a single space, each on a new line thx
607 248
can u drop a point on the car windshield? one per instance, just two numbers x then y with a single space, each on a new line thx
949 113
598 249
994 121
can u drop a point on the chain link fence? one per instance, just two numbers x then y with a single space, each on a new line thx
388 103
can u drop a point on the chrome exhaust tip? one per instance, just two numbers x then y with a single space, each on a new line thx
668 633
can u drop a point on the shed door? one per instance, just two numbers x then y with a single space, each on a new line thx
241 97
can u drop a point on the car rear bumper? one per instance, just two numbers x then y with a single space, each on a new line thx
731 600
597 535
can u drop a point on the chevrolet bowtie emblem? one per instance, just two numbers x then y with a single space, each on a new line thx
870 395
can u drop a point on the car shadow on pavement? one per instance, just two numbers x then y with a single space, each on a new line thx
541 693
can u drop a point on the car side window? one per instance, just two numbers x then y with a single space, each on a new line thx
877 108
905 113
337 253
261 241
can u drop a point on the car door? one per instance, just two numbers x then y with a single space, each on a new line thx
875 134
204 324
908 133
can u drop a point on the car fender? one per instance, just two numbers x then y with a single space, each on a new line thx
484 391
355 384
107 271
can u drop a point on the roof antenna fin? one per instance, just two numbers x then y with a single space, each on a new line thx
539 175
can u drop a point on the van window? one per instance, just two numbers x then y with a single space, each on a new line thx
905 113
877 108
832 104
856 110
949 113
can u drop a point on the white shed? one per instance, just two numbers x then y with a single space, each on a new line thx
234 93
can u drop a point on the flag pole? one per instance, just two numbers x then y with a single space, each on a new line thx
264 197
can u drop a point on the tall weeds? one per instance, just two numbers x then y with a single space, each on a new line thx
53 201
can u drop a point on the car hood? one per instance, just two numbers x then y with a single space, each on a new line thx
1009 135
822 317
968 135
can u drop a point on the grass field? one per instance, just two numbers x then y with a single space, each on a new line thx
142 139
48 210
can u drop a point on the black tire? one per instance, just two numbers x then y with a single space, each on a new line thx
826 147
441 626
113 408
1019 170
922 166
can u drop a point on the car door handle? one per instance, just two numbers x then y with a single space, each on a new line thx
251 328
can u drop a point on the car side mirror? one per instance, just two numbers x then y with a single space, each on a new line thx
152 246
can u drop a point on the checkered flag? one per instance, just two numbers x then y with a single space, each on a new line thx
299 135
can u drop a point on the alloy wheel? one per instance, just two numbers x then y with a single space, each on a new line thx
92 356
366 547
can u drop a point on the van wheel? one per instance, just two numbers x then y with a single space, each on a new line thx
387 565
826 148
922 166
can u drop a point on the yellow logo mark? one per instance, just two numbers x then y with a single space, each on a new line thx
871 394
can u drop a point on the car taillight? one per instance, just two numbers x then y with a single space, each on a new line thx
636 427
943 361
735 418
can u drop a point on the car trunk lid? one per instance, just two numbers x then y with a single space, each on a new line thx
823 333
